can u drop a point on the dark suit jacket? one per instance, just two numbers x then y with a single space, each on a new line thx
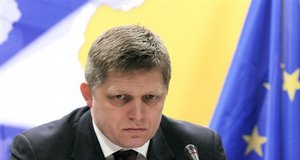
73 138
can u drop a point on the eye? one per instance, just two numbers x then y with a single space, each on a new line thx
121 99
150 98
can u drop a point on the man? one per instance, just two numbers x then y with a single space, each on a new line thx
127 77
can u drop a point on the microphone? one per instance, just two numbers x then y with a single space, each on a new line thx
191 152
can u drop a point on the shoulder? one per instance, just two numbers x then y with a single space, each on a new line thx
186 129
180 133
51 137
57 127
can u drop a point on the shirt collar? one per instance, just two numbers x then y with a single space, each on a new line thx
109 148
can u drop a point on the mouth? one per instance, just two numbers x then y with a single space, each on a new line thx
135 130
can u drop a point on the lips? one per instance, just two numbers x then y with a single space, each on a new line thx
135 130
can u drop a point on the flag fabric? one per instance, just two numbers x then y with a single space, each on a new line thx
7 133
258 112
22 24
33 18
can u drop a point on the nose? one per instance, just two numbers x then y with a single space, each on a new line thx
136 110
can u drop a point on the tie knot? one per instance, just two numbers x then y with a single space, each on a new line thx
125 155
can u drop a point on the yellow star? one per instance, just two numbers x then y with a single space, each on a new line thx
267 85
254 142
291 83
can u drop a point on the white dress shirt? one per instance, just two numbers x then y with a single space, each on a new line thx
108 148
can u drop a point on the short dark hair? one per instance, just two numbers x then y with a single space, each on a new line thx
126 48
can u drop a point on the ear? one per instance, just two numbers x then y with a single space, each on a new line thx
86 93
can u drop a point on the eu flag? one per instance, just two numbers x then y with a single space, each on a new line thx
258 114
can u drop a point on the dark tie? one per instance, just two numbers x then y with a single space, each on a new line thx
125 155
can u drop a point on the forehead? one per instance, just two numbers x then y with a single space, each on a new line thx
134 80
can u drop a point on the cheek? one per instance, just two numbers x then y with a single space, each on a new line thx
155 117
97 116
106 116
100 114
105 122
157 110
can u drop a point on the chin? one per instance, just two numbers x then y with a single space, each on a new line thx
134 143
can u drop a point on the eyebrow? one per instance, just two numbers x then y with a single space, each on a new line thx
121 91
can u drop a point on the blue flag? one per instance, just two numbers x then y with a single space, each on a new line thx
258 114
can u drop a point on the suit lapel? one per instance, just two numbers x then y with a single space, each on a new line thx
86 146
159 149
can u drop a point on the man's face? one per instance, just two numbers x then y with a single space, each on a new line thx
127 107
